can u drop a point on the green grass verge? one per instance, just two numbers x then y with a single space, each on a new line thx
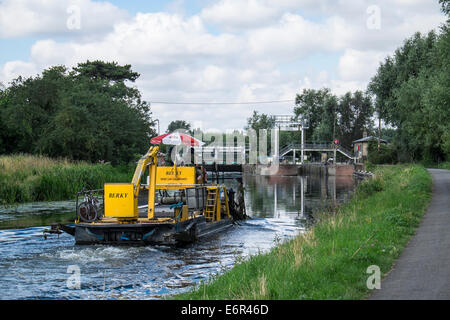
330 261
25 178
442 165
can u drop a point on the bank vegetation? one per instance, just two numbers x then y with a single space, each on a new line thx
330 261
27 178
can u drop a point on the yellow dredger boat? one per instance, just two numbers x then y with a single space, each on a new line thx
193 210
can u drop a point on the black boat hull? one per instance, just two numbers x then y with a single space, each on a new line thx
145 233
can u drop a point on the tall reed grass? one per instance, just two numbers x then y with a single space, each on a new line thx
27 178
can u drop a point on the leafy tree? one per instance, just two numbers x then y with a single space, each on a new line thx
327 128
355 112
3 103
109 71
383 83
310 105
88 113
331 117
30 106
411 94
178 124
383 154
260 121
445 6
388 134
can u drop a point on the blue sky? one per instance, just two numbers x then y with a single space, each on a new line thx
135 6
217 50
12 49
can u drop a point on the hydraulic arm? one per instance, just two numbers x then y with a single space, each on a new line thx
121 199
150 159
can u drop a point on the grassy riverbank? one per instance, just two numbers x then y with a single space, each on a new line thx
330 261
442 165
25 178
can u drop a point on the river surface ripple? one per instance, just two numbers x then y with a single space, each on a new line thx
34 268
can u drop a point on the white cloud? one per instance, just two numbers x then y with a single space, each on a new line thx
238 14
291 37
150 40
14 69
246 58
56 17
359 65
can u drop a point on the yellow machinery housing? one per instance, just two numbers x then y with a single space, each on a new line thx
175 177
121 199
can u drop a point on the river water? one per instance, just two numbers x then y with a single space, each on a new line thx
34 268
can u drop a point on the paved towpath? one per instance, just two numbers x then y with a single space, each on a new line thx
423 269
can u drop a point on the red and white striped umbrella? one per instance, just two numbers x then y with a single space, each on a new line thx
177 138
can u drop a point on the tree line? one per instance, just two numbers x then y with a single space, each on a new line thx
86 113
90 113
329 117
411 90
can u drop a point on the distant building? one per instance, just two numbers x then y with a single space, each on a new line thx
361 147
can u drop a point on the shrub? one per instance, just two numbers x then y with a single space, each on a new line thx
387 154
32 178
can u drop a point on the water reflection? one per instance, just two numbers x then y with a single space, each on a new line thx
284 196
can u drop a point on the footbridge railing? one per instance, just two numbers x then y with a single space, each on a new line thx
325 147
